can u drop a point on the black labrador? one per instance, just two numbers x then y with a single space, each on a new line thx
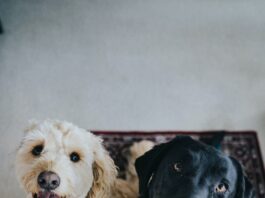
185 168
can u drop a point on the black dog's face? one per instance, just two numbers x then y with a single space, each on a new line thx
194 171
185 168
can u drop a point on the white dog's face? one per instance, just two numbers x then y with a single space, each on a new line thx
55 160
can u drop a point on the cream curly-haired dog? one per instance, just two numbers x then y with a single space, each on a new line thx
59 160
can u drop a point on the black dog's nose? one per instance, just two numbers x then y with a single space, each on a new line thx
48 180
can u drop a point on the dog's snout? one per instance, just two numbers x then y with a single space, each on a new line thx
48 180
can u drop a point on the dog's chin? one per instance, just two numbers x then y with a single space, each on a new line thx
45 194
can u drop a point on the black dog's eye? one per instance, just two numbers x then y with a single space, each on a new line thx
36 151
221 188
74 157
177 167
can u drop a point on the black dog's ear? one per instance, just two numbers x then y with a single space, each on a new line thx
147 164
244 188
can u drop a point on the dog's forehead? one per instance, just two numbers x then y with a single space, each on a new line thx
42 133
77 138
189 147
59 133
196 155
196 152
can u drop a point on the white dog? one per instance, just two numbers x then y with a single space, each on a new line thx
59 160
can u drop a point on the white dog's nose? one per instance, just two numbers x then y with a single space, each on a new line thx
48 180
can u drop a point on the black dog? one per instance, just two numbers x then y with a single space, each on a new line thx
185 168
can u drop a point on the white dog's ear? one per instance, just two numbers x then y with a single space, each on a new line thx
104 172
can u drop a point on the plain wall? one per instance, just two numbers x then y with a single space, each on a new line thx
130 64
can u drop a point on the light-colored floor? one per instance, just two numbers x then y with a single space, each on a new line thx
122 64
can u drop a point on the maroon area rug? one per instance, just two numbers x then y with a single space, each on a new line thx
243 145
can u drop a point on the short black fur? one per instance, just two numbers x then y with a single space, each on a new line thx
185 168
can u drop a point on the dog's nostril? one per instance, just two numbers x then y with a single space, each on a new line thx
48 180
55 182
41 181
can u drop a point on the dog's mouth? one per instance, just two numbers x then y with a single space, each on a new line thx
45 194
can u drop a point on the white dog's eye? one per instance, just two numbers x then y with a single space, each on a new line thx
36 151
74 157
